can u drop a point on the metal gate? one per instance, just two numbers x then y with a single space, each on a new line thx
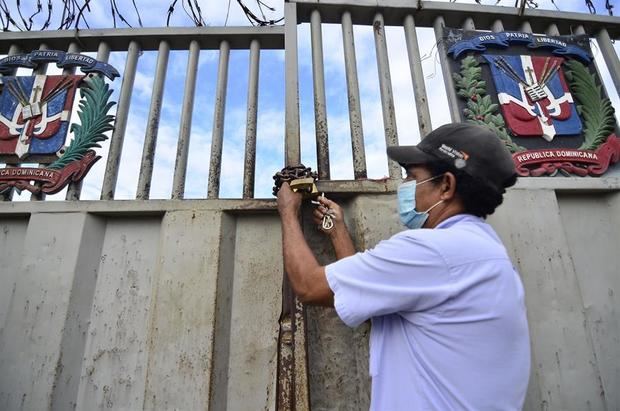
175 303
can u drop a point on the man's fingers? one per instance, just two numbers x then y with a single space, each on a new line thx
326 202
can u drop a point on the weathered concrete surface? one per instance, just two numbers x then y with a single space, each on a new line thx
173 311
256 302
116 354
180 343
12 235
565 373
78 316
45 295
338 355
592 232
223 308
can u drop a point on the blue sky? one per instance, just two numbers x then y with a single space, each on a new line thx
270 139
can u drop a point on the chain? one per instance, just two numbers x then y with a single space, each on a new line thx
290 173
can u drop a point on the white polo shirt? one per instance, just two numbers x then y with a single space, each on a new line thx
449 328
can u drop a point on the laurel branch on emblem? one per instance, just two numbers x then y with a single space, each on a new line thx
596 110
94 118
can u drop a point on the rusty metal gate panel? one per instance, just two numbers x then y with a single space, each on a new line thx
140 308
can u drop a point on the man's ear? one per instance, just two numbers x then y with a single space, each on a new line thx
448 186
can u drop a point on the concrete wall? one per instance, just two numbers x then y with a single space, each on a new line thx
174 304
138 309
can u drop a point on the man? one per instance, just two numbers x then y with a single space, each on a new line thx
449 329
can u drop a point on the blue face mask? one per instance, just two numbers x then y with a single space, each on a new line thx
406 204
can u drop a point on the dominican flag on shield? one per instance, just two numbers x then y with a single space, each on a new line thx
534 96
34 113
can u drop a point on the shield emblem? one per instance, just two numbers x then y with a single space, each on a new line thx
534 96
35 113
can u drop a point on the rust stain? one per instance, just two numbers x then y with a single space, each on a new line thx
378 27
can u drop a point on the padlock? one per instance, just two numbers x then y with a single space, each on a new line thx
300 178
305 186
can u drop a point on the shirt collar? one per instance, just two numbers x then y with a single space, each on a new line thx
449 222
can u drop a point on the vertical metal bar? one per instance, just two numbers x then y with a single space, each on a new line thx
73 48
497 26
180 167
292 388
526 27
285 390
41 69
302 397
552 30
468 24
385 87
75 189
152 125
320 111
611 57
8 194
103 52
217 137
122 113
13 49
453 106
292 149
353 91
417 77
249 168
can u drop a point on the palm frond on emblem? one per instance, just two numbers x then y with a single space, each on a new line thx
596 111
94 118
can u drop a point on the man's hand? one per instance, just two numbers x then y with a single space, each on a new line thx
288 201
329 207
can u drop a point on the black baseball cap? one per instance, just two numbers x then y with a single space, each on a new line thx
475 149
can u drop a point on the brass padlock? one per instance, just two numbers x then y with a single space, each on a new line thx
305 186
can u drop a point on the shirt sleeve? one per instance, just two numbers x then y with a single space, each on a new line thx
404 273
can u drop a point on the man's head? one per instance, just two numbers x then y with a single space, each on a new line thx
475 166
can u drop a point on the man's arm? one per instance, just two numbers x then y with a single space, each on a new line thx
305 274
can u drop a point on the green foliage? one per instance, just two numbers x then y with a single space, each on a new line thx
480 109
597 112
94 118
469 82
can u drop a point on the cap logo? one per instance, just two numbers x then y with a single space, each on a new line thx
453 152
460 157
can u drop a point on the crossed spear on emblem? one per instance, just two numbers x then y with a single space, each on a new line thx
535 90
34 109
